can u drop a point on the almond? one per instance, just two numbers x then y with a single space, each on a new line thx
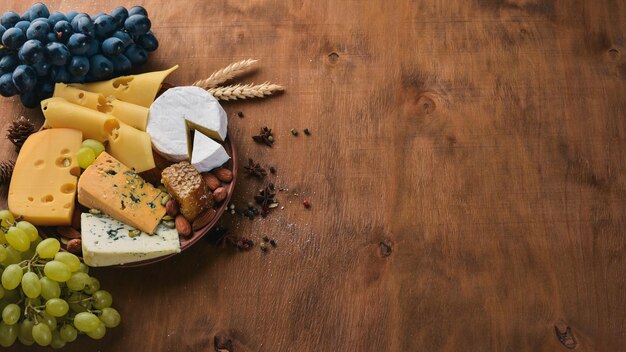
223 174
211 181
204 219
74 246
220 194
68 232
182 226
171 207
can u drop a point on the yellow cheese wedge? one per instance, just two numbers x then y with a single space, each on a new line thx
43 185
60 113
136 89
132 147
132 114
111 187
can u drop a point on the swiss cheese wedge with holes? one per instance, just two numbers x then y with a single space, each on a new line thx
43 185
113 188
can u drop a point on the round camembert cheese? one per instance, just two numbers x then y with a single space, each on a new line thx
178 111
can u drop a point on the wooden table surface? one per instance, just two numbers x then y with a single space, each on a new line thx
466 171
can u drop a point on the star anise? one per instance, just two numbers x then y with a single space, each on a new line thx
255 169
266 199
264 137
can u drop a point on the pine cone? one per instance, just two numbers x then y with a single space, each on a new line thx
6 171
19 130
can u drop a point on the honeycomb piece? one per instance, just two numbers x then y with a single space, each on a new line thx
185 184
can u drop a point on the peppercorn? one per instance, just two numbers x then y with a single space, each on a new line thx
272 169
240 114
307 132
263 247
273 243
265 238
306 203
294 131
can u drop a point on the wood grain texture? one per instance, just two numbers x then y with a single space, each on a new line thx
466 171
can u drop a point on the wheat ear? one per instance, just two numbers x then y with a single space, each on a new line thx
227 73
244 91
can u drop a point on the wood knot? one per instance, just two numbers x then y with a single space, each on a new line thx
565 335
384 248
222 344
333 57
614 53
425 104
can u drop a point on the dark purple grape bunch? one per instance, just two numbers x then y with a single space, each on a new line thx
40 48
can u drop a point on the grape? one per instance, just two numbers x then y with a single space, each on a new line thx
136 54
48 320
57 271
86 321
25 332
120 14
68 333
39 10
112 46
35 302
11 314
12 276
7 218
105 25
56 17
1 292
58 54
11 296
94 47
69 259
18 239
85 157
13 38
77 281
38 30
78 44
2 30
71 15
110 317
3 254
48 248
137 24
76 304
94 145
9 19
30 99
51 37
9 63
92 286
59 74
148 41
7 88
8 334
102 299
49 288
64 30
78 66
29 229
57 341
31 285
84 25
101 67
31 52
42 334
121 64
22 26
98 332
42 68
84 268
57 307
13 256
124 37
24 78
138 10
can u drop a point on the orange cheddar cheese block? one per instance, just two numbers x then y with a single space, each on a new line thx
116 190
43 185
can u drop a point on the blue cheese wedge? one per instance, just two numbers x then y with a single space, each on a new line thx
207 154
107 241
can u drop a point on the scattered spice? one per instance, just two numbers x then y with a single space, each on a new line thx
265 238
240 114
307 132
255 169
306 203
264 137
273 243
263 247
265 198
272 170
294 131
245 244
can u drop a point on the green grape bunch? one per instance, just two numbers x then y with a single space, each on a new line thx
47 297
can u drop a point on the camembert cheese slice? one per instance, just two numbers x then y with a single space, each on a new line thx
107 241
207 154
43 185
113 188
